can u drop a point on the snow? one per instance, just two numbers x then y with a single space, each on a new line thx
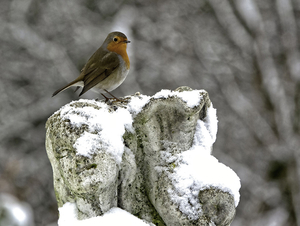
87 144
105 128
197 170
14 212
114 217
137 103
192 98
19 214
211 123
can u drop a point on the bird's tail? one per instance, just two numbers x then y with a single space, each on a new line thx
74 83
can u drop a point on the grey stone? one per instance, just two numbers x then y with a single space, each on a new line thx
217 206
140 183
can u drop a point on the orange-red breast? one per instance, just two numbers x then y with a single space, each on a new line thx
106 69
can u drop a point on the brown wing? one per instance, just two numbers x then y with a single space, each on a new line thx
97 70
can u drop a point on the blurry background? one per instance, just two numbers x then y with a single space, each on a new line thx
245 53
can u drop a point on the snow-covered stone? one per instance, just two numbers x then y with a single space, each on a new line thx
150 156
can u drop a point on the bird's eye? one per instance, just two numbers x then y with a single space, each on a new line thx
115 39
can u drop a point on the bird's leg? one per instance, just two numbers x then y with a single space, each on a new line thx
111 95
106 98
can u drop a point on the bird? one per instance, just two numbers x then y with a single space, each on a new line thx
106 69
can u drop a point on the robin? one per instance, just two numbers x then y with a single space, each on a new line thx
106 69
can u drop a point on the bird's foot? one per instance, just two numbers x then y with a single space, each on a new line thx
110 100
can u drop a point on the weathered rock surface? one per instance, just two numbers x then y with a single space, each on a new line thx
143 181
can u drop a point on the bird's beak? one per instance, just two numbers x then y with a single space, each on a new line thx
126 41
